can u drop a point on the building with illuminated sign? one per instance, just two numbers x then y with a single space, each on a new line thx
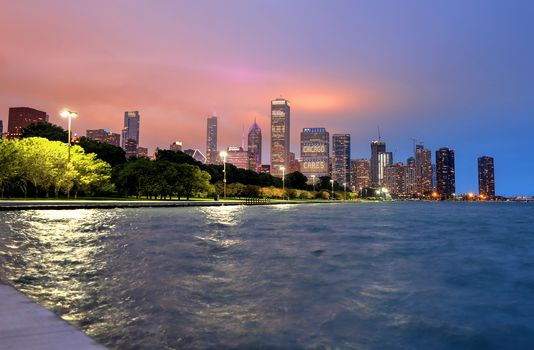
22 117
212 153
486 177
314 152
445 173
280 127
341 158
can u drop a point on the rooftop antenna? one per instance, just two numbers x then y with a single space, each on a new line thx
243 137
379 137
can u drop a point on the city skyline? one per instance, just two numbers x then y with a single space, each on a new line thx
460 79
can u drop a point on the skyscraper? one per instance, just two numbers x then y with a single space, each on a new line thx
411 177
384 159
22 117
445 177
486 177
314 152
359 174
211 140
376 148
341 158
104 135
280 118
130 132
254 147
395 178
423 169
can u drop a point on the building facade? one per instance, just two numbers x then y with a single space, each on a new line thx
176 146
384 159
130 132
341 158
314 152
104 135
395 179
445 173
359 174
411 177
238 157
22 117
280 127
423 169
486 177
376 148
212 153
254 147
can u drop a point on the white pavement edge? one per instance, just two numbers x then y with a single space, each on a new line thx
26 325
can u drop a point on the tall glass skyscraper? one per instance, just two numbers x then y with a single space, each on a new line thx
314 152
211 140
341 158
423 169
376 148
280 117
254 147
130 133
384 159
445 173
486 177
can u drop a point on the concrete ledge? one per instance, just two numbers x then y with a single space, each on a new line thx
26 325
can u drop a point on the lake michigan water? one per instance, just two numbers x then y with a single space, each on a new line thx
396 275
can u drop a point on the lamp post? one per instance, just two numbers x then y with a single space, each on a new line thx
223 155
283 180
313 182
332 183
69 115
345 190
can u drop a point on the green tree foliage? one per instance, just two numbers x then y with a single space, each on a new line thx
40 165
110 154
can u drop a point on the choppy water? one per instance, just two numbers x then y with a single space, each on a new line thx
340 276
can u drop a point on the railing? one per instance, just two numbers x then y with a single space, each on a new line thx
256 201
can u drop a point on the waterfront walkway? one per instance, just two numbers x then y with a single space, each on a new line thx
107 204
25 325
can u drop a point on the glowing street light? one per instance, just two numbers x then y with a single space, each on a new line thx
223 155
332 183
69 115
313 182
345 190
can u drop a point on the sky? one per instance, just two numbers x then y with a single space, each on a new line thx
447 73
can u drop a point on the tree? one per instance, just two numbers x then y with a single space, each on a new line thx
297 180
110 154
46 130
10 164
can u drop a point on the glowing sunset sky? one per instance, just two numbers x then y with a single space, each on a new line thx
448 73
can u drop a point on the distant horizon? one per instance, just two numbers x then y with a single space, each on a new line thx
449 75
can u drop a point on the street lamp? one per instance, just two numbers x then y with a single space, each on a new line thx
332 183
283 180
313 182
345 190
69 115
223 155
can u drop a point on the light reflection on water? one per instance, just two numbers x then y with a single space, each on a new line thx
367 276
